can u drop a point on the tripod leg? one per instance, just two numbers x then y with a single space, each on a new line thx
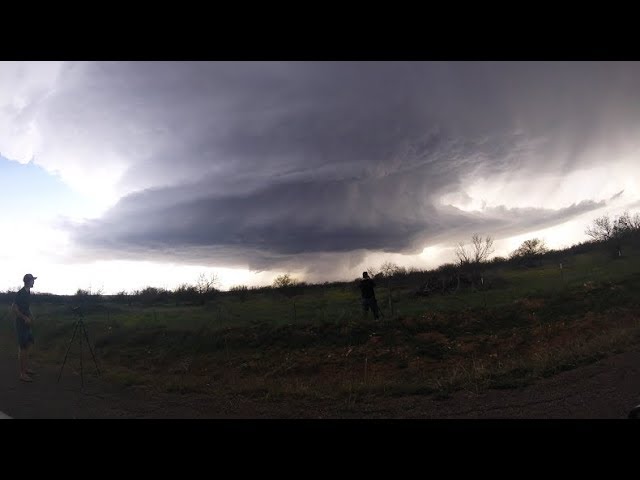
86 336
68 348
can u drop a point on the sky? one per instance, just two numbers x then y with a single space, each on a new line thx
116 176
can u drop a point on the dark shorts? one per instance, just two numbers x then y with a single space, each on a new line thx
25 335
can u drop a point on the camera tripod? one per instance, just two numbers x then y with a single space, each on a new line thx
79 326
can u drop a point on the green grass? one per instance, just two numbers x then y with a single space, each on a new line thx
243 343
341 304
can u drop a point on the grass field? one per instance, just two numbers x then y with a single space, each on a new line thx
522 324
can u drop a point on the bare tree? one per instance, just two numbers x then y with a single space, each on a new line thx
604 229
601 229
389 269
284 280
625 223
478 252
530 248
207 284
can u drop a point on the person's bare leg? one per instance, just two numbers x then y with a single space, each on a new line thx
22 355
27 362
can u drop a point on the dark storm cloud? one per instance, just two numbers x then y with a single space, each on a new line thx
283 224
257 163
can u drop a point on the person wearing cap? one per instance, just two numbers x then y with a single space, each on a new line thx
24 321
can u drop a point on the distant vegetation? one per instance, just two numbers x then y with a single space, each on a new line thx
474 267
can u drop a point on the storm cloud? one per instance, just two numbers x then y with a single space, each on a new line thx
271 164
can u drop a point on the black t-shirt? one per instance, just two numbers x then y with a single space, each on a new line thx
23 301
366 287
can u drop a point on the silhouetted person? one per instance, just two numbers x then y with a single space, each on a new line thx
368 295
24 319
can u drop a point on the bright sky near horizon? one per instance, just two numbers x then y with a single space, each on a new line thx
121 175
